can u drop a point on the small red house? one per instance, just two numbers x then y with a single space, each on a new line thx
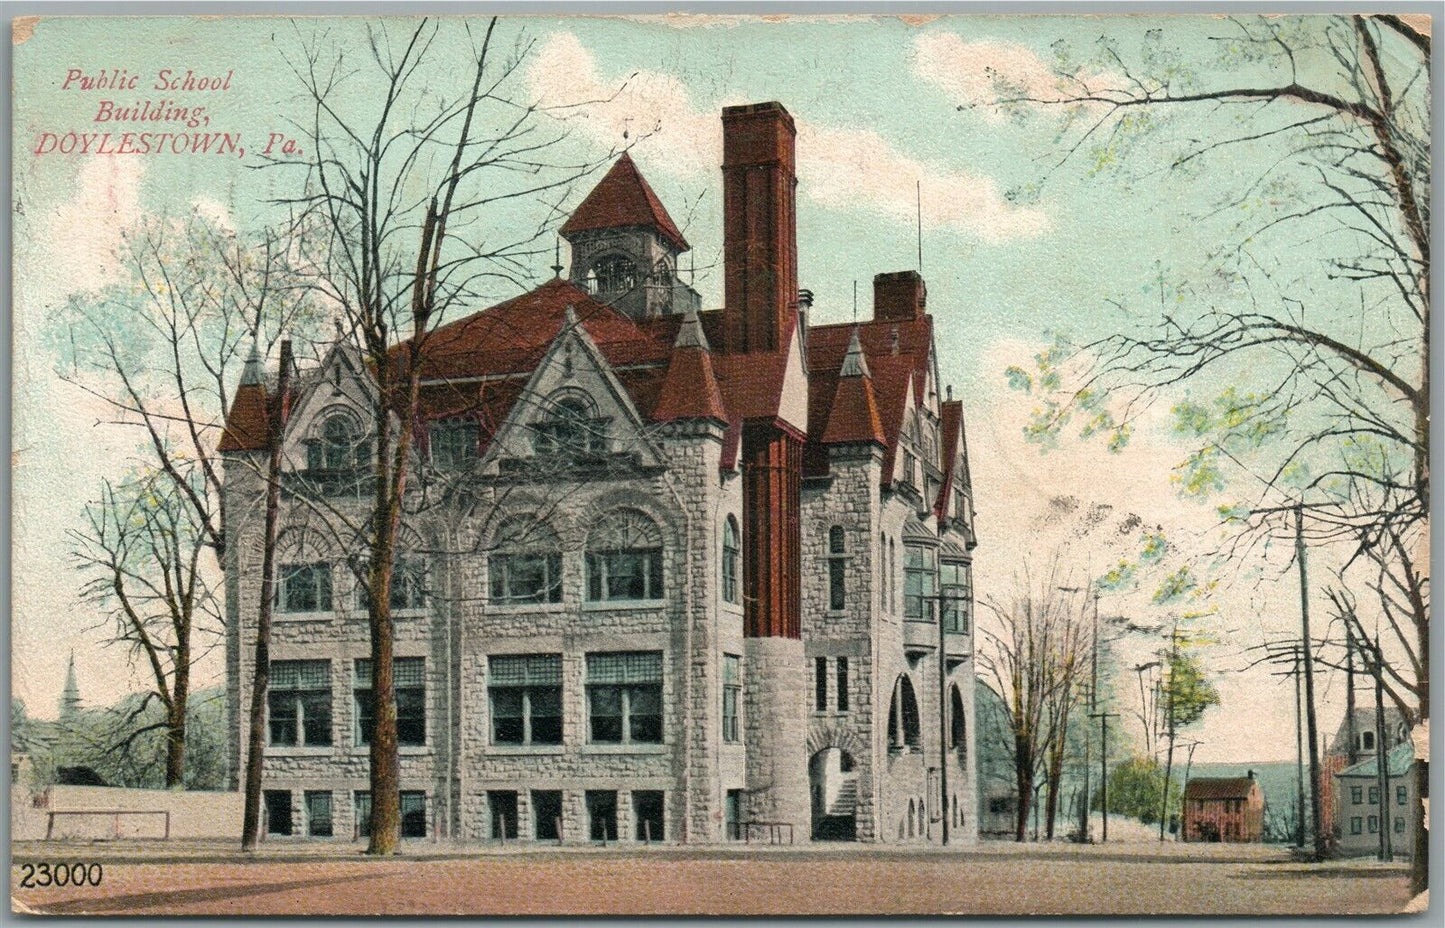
1224 809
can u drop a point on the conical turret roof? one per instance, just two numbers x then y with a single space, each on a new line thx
623 198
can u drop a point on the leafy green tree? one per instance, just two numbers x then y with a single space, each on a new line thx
1136 789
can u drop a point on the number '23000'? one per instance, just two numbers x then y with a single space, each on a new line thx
61 874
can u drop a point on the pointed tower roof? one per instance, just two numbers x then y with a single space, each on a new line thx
853 418
623 198
70 696
690 390
246 420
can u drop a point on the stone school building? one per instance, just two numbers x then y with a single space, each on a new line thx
668 574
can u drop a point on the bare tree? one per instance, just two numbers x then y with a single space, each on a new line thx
1036 659
403 196
142 551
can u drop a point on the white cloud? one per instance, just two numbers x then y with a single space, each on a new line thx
840 168
975 74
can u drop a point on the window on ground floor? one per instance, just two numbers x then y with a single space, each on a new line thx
503 806
732 692
601 815
1374 823
647 812
361 804
547 814
318 813
278 812
733 815
1399 824
1356 825
413 814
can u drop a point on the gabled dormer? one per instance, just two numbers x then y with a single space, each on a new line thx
625 247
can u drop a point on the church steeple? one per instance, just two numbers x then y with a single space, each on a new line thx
70 696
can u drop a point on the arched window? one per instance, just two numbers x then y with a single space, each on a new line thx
837 566
904 732
730 559
339 447
615 274
957 724
525 566
624 558
571 427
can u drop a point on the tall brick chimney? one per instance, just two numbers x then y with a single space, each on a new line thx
899 297
760 229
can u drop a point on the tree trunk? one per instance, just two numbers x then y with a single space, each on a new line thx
1024 786
1056 775
176 727
261 679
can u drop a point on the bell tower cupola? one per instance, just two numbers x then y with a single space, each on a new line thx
625 247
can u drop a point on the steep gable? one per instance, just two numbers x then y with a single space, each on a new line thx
623 198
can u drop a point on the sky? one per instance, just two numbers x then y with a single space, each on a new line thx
1018 243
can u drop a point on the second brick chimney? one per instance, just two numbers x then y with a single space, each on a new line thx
760 231
899 297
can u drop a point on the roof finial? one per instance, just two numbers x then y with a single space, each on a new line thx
690 333
950 392
855 364
569 321
557 257
252 374
855 301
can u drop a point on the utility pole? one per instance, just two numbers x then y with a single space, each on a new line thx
1169 717
1103 718
1350 693
1382 769
1309 679
1299 753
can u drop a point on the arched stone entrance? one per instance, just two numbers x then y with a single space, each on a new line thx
833 785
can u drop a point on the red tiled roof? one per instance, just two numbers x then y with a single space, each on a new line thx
246 420
691 389
1218 788
623 198
951 421
853 417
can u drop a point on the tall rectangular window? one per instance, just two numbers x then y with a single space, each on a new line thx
1357 794
1374 795
1402 795
956 595
526 691
1356 826
732 691
837 568
503 805
278 812
820 683
731 556
547 814
318 813
408 679
733 815
842 684
601 814
298 703
304 587
647 814
624 697
361 805
1374 822
413 813
920 581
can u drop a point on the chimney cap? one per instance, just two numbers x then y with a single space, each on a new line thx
890 276
757 109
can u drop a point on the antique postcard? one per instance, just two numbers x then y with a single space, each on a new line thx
721 465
